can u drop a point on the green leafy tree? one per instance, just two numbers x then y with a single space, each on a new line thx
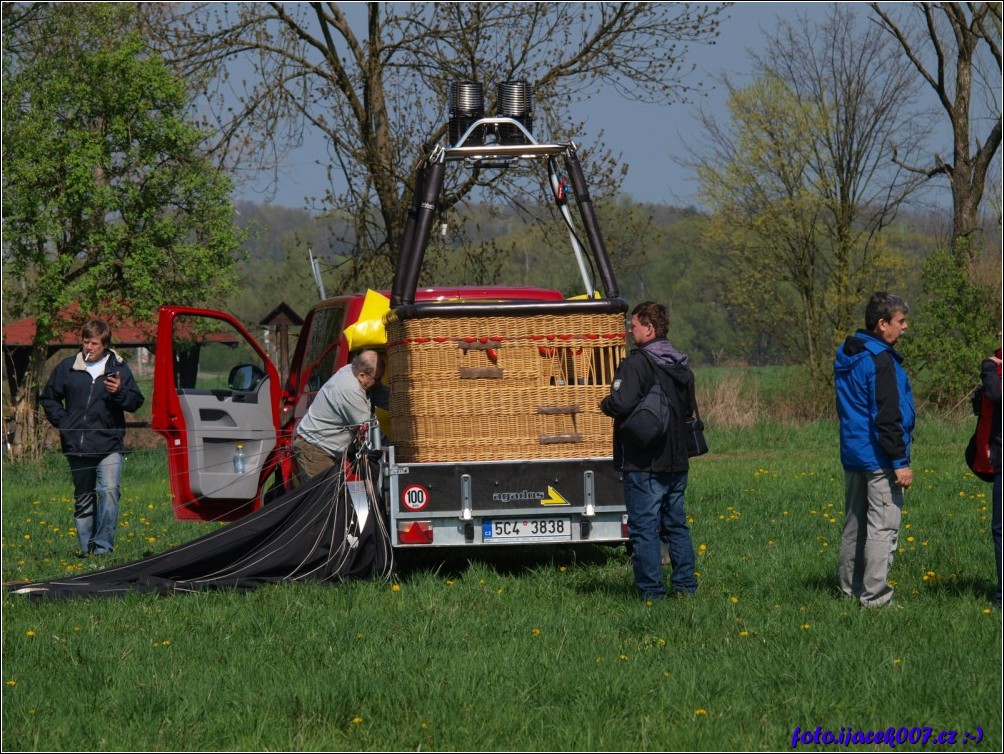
953 330
108 200
802 184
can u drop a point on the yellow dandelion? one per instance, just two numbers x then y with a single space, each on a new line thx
396 588
909 539
449 582
649 603
703 548
359 636
29 632
535 631
660 641
166 642
987 611
701 712
27 536
733 600
622 656
806 626
562 569
151 540
744 633
356 720
897 661
12 682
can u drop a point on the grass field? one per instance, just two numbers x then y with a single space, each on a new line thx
542 651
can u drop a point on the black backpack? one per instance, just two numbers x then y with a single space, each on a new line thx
650 420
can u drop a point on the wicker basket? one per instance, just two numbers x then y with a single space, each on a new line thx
491 388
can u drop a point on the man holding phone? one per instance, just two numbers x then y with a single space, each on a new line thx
86 398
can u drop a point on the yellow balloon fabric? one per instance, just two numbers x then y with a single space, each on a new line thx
369 330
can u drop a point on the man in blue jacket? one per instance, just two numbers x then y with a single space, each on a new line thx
654 475
85 399
877 415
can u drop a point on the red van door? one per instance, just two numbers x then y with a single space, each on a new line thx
216 395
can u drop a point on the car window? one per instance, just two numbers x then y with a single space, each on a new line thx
321 353
211 354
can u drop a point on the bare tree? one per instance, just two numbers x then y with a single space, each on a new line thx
801 181
957 51
374 79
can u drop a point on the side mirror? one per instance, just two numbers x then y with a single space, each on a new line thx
245 377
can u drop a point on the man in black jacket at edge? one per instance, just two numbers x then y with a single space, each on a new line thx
654 477
85 399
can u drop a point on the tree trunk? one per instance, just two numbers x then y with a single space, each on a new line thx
29 422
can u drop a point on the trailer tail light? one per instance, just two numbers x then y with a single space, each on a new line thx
414 532
624 526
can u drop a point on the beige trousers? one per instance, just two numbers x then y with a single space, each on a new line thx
873 508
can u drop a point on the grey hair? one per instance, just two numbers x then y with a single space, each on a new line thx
881 306
365 362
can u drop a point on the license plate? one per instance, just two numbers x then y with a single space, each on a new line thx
526 529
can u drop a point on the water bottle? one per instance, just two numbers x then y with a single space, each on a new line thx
239 465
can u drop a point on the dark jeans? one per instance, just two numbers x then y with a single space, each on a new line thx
654 504
995 528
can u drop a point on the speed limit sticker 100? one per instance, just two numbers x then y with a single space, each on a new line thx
415 497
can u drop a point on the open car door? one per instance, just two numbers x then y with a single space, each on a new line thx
214 389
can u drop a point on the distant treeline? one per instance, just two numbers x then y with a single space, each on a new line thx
656 250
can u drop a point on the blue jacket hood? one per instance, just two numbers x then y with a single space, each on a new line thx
862 344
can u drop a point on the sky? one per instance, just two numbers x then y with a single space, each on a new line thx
650 138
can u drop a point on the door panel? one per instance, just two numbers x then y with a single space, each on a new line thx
214 388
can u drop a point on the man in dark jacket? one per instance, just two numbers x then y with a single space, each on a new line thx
655 476
85 399
877 416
